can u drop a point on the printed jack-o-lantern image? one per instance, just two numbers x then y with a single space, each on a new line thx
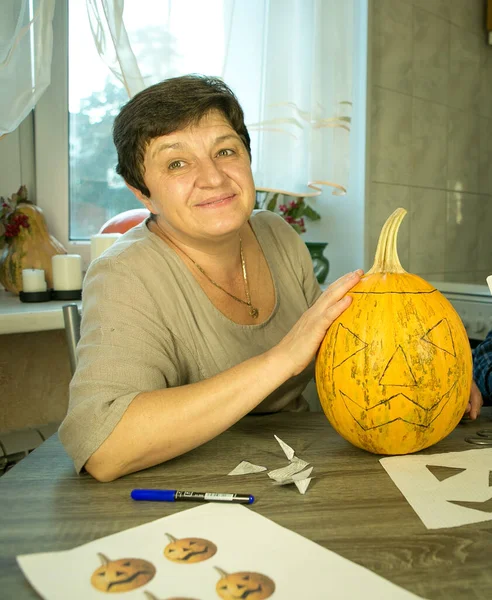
122 575
151 596
244 584
189 550
394 371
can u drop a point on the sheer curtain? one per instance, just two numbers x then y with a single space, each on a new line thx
26 42
288 61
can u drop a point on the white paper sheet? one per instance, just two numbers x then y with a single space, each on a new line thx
245 542
245 468
457 499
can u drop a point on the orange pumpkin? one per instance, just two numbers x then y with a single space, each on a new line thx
125 221
189 550
394 371
122 575
32 248
244 584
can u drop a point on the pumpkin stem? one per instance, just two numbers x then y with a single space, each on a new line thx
171 538
104 559
386 260
221 571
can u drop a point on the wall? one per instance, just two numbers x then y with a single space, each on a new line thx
431 135
34 367
34 378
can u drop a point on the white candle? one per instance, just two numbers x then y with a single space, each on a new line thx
101 242
67 272
33 280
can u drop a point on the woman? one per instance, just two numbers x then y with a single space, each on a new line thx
204 313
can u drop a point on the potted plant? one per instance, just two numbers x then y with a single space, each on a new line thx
294 212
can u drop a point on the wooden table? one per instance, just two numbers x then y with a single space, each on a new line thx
352 507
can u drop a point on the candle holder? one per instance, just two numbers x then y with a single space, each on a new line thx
66 294
35 296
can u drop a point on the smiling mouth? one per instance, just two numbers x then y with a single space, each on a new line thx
196 553
128 579
216 201
247 593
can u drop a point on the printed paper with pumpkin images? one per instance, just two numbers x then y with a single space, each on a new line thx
251 549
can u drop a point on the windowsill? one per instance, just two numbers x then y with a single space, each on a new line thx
24 317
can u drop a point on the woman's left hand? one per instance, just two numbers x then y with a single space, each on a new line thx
475 403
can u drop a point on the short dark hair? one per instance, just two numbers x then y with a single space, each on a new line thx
165 107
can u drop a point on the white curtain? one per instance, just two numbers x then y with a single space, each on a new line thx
26 43
288 61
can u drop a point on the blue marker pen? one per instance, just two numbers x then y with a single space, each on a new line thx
175 496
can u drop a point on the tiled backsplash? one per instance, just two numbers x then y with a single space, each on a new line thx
431 135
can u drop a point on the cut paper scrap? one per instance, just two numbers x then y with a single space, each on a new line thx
458 495
245 468
289 474
288 451
286 472
303 484
293 478
67 574
302 480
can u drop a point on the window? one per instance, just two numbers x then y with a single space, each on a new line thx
79 190
95 95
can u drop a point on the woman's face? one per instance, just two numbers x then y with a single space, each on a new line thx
200 180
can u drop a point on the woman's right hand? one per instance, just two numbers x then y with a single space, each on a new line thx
300 345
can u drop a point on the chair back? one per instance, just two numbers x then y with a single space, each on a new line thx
71 319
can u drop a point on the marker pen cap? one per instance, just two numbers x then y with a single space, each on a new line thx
153 495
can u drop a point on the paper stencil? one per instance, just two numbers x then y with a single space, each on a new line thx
457 495
204 553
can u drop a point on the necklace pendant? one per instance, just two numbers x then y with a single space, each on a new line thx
253 312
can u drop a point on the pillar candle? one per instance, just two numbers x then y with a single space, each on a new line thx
101 242
33 280
67 272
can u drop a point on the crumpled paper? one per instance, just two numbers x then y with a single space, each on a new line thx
294 472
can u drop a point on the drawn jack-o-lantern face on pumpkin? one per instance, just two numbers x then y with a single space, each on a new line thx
122 575
189 550
244 585
394 370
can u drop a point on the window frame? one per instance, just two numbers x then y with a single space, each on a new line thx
51 147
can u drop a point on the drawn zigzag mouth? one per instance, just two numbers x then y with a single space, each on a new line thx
366 417
196 553
128 579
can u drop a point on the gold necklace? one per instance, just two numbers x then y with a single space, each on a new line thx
253 311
